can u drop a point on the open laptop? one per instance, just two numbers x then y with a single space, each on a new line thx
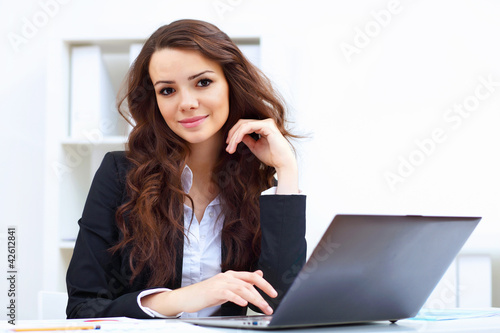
365 268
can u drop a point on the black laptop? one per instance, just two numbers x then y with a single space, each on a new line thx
365 268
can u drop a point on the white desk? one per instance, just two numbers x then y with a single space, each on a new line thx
482 325
471 325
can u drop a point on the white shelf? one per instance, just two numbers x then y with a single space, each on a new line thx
67 245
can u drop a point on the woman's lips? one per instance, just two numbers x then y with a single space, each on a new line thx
193 121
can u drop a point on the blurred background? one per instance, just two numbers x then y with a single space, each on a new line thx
398 100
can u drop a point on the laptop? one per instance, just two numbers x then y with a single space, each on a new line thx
365 268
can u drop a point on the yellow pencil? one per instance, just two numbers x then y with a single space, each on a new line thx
61 328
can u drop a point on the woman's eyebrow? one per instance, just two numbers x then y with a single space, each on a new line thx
196 75
192 77
166 82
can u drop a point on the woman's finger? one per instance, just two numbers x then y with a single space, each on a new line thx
237 287
248 292
242 128
231 296
257 280
233 129
249 142
235 137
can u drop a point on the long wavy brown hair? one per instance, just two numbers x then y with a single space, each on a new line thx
151 221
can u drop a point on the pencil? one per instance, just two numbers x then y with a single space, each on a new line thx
60 328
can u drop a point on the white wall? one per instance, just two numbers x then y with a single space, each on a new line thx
361 115
22 106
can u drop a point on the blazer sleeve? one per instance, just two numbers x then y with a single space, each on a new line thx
283 245
96 281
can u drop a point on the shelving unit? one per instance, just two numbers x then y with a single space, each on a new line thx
84 77
96 75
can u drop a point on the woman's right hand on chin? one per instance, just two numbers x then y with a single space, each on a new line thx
236 287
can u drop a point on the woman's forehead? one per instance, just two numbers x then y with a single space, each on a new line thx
180 63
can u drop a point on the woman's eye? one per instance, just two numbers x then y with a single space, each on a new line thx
204 82
167 91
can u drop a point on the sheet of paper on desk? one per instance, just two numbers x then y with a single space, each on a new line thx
121 324
148 325
452 314
154 326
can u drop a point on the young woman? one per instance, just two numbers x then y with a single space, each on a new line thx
178 225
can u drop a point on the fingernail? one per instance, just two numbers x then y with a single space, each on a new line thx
269 309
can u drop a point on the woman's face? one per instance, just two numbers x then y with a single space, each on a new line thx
192 93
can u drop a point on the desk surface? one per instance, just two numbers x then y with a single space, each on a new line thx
466 325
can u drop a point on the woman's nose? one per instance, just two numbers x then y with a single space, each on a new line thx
188 101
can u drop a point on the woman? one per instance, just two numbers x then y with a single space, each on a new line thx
177 225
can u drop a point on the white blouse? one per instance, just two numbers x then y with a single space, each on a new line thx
202 248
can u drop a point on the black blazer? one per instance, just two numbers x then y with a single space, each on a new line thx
98 282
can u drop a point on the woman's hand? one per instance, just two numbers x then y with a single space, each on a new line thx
271 149
236 287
